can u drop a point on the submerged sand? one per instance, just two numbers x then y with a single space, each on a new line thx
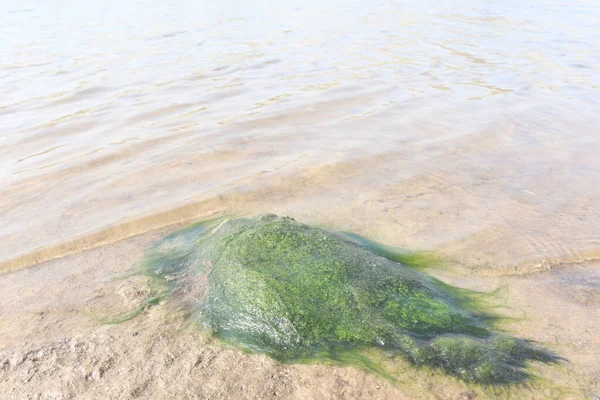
539 250
53 343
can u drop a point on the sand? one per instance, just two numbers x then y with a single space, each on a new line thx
55 343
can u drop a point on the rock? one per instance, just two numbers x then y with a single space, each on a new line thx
294 292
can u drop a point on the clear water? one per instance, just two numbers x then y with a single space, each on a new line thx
488 111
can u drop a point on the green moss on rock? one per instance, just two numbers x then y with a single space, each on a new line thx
295 292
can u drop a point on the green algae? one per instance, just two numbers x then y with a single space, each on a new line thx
296 293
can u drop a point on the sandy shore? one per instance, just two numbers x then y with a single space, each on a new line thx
54 345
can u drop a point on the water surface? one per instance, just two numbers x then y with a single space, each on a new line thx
466 126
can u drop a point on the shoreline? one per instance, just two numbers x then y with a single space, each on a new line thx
64 295
188 214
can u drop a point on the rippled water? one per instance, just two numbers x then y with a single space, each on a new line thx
472 125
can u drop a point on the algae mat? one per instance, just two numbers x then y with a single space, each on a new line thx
297 293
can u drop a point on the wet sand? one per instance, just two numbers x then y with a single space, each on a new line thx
55 345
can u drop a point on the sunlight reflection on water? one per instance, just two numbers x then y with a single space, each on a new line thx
99 100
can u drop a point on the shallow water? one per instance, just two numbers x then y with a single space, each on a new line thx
463 126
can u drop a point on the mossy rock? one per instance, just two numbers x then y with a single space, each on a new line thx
294 292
